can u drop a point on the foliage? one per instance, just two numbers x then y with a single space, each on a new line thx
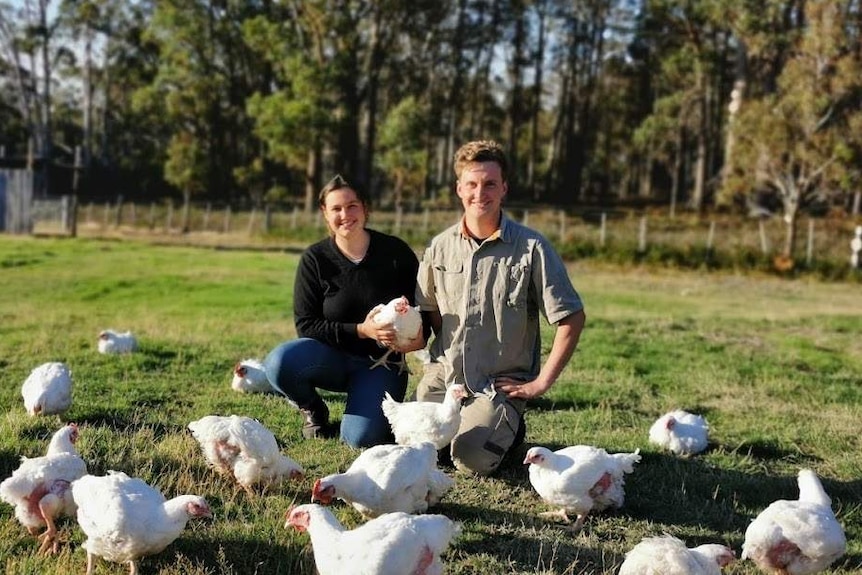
404 155
795 142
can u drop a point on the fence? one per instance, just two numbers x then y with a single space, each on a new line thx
16 198
819 239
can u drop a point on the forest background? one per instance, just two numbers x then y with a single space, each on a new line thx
739 106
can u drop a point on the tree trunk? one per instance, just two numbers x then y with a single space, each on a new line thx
537 104
312 177
700 167
47 137
515 105
187 205
790 236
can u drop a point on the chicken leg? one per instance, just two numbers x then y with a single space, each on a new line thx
384 362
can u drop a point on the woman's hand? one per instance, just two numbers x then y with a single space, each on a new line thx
384 334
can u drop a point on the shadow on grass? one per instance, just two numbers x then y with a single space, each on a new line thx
233 554
9 462
545 404
691 492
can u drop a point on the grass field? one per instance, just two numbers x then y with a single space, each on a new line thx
774 365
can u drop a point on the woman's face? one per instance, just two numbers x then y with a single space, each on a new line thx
344 213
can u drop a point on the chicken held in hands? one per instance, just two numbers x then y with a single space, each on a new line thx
407 322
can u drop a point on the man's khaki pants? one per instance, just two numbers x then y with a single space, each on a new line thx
490 423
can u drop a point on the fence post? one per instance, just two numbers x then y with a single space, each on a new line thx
169 219
251 218
206 217
603 229
152 216
119 214
856 247
294 217
399 211
809 248
106 214
526 220
562 225
710 237
71 220
226 227
642 235
426 220
764 242
134 215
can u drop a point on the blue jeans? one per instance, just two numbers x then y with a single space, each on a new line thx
298 368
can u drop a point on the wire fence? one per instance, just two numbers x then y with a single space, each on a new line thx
585 232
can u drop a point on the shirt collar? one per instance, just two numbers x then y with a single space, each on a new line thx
502 231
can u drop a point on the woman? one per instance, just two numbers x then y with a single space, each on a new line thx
339 281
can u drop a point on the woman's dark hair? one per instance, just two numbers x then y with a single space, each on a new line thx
339 183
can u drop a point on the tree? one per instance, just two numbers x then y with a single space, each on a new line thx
801 142
26 46
403 149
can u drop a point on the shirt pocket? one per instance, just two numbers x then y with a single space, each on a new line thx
450 278
518 285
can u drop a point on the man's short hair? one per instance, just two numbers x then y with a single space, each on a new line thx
481 151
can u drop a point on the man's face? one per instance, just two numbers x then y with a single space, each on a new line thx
482 189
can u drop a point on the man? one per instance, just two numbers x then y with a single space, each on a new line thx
482 284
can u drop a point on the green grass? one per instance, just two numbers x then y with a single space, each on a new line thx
773 364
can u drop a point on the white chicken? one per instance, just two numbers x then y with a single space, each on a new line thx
579 479
796 537
668 555
680 432
249 376
48 389
39 488
406 320
387 478
125 519
392 544
416 422
111 341
244 449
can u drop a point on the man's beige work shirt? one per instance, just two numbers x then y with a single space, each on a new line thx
490 295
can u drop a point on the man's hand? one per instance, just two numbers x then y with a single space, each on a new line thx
517 389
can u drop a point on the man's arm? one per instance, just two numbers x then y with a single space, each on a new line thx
565 341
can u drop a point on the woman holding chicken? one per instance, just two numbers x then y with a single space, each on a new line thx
338 285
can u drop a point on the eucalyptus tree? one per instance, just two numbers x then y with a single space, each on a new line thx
206 71
403 153
27 50
797 130
579 56
692 51
338 65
